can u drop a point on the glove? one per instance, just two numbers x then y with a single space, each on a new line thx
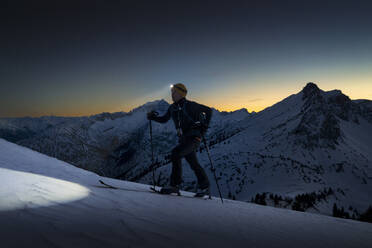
200 125
203 122
152 115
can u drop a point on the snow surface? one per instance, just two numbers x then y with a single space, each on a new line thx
49 203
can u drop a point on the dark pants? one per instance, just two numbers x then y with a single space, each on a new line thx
187 148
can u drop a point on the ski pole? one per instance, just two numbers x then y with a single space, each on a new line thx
212 168
152 156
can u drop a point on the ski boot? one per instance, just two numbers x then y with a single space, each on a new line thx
166 190
201 192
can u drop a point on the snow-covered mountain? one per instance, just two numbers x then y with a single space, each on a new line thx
308 143
45 202
308 152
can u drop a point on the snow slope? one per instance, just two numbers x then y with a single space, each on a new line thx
53 204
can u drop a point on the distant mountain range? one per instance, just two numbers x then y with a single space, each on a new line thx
311 151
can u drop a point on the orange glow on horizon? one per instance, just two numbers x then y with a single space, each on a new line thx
236 96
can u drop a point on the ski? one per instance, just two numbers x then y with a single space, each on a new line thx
108 185
152 190
155 190
199 195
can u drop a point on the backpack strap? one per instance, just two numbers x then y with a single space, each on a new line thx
185 112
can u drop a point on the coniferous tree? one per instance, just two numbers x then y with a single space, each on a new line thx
335 210
367 215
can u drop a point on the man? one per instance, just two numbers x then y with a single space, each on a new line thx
191 121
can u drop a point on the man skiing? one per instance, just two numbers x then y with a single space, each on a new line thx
191 121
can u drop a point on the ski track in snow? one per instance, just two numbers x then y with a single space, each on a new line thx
106 217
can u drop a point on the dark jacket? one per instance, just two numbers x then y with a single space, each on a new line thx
184 114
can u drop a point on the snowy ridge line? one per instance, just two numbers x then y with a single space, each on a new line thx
318 139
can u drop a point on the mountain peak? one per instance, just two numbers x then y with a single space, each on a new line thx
310 89
159 105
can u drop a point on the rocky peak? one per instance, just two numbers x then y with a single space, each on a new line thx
312 97
321 115
340 99
310 90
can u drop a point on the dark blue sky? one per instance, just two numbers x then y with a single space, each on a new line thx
86 57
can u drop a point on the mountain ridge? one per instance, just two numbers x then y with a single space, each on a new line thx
308 142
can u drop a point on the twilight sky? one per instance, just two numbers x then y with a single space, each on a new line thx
85 57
